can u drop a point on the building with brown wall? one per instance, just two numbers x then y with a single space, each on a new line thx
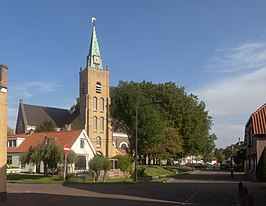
255 140
3 130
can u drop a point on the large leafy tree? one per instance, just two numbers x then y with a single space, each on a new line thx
170 147
186 113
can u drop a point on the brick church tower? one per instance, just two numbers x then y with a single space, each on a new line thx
3 130
95 99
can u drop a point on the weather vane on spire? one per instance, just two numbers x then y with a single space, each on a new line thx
93 19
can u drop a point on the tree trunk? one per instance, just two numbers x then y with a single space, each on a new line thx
45 168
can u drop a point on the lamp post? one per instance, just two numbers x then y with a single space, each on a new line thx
136 137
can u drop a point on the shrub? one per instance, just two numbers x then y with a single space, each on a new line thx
124 163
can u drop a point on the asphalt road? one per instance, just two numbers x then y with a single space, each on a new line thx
201 188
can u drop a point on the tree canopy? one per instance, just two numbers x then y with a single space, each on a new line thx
181 115
46 126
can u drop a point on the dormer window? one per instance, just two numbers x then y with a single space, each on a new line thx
98 87
11 143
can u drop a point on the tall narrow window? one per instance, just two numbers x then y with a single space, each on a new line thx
95 123
102 124
101 104
94 103
98 141
82 143
98 87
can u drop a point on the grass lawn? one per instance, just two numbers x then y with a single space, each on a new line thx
31 178
153 173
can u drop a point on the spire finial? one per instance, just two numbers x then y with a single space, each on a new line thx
93 19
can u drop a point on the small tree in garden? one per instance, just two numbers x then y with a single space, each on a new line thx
124 163
261 167
98 163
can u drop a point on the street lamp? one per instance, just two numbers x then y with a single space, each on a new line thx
136 139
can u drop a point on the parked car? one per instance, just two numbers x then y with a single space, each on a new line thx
224 167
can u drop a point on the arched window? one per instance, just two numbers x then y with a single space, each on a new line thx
98 141
95 123
102 124
99 153
98 87
123 145
94 103
101 104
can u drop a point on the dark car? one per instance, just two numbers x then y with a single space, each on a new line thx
224 167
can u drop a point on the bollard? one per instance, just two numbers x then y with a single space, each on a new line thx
249 201
232 174
240 189
243 200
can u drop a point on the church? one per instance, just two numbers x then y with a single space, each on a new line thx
91 112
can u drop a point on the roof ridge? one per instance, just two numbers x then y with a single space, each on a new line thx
42 106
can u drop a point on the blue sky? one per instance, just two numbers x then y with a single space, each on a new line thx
215 49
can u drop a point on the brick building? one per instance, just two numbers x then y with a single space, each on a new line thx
255 140
3 130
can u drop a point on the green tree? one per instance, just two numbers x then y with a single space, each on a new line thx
98 163
240 156
46 126
218 153
261 167
186 113
49 152
10 131
124 163
209 148
170 147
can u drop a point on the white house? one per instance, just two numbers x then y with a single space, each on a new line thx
77 140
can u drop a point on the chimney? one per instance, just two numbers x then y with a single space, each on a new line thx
3 78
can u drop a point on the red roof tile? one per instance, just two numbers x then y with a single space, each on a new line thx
259 121
63 138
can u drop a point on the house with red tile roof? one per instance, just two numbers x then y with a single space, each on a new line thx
78 141
255 140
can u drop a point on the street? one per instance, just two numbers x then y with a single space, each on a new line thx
200 188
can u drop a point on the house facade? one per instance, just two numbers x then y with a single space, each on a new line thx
91 112
255 140
77 140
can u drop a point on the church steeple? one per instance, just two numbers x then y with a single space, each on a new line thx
94 59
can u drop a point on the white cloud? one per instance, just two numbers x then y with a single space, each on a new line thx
248 56
27 90
232 99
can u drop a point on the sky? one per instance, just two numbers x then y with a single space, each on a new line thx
215 49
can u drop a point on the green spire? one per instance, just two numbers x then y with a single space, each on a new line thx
94 57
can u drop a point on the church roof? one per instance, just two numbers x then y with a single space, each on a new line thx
34 115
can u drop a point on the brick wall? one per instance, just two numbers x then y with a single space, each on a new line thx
3 130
